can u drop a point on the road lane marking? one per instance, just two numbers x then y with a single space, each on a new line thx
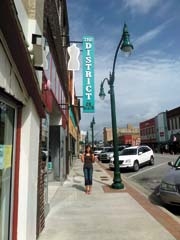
146 170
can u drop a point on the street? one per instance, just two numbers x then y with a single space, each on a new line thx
148 178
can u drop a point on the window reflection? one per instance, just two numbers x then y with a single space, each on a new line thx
7 115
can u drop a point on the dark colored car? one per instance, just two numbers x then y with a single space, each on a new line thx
170 185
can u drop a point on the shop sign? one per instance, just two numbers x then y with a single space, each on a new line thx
73 63
88 74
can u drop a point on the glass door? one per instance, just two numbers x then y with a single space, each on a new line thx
7 119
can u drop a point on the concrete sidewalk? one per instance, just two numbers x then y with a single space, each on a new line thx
107 215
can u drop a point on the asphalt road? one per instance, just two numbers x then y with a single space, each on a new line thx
148 178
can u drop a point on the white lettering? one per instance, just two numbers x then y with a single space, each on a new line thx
89 96
88 81
88 45
88 74
88 60
88 52
88 65
88 88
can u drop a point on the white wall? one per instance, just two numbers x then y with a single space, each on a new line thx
22 15
29 27
29 149
8 74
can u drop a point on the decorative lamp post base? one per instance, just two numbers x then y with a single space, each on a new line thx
117 182
117 185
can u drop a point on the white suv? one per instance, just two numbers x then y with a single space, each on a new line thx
134 157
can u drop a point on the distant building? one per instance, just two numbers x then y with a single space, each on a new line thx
129 135
148 132
162 132
173 128
107 135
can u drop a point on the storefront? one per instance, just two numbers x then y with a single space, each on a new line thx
7 146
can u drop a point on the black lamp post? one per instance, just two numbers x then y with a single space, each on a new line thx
92 128
126 47
86 138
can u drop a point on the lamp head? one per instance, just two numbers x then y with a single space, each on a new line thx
126 46
102 93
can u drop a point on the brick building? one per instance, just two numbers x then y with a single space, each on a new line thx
129 135
148 132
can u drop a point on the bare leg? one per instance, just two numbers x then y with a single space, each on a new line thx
90 188
87 189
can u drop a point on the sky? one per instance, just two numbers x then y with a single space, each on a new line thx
148 81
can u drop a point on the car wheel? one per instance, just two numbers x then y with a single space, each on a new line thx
136 166
151 161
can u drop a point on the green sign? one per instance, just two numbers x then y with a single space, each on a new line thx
88 75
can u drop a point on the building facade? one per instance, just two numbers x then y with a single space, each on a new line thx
107 135
21 110
173 126
162 132
129 135
35 112
148 132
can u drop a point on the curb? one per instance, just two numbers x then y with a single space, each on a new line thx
164 217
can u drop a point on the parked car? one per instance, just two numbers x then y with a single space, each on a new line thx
104 156
97 151
108 152
134 157
170 185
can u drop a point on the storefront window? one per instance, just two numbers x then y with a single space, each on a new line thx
7 116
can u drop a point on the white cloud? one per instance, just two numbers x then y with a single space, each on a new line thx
151 34
141 6
146 88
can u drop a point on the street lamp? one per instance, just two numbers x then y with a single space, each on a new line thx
126 47
87 138
92 128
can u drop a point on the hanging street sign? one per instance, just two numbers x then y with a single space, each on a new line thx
88 75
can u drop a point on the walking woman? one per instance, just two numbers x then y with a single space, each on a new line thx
88 160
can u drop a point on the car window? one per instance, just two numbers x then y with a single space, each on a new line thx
146 149
126 151
121 148
110 150
106 150
141 149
